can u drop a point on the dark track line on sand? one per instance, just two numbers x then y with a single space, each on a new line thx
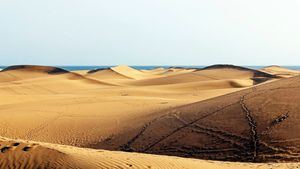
193 151
252 124
276 121
184 126
255 142
226 136
128 145
223 138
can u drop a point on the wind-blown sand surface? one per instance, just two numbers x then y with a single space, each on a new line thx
24 154
122 108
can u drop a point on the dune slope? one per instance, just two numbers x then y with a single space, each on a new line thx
259 124
32 155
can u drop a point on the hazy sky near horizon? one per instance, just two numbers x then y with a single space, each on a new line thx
149 32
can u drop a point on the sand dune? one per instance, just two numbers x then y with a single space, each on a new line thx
258 124
25 72
156 71
106 74
30 155
36 68
280 71
217 72
131 72
138 77
176 70
105 109
76 106
235 72
22 72
175 79
121 74
16 154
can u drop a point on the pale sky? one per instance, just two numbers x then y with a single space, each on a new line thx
150 32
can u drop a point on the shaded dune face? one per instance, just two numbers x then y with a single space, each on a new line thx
260 124
257 73
106 74
258 76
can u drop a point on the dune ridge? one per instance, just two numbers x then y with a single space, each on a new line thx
106 74
256 72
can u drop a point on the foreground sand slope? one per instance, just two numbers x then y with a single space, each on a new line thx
258 124
30 155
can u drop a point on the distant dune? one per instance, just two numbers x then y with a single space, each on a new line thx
37 74
229 71
32 68
216 72
280 71
106 74
221 112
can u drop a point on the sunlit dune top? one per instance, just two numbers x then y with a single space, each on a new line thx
279 68
122 71
280 71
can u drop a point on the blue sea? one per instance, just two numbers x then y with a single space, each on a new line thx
72 68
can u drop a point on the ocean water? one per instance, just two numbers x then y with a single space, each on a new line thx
72 68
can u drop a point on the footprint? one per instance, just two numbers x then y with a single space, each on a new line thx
130 165
26 148
164 102
16 144
4 149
